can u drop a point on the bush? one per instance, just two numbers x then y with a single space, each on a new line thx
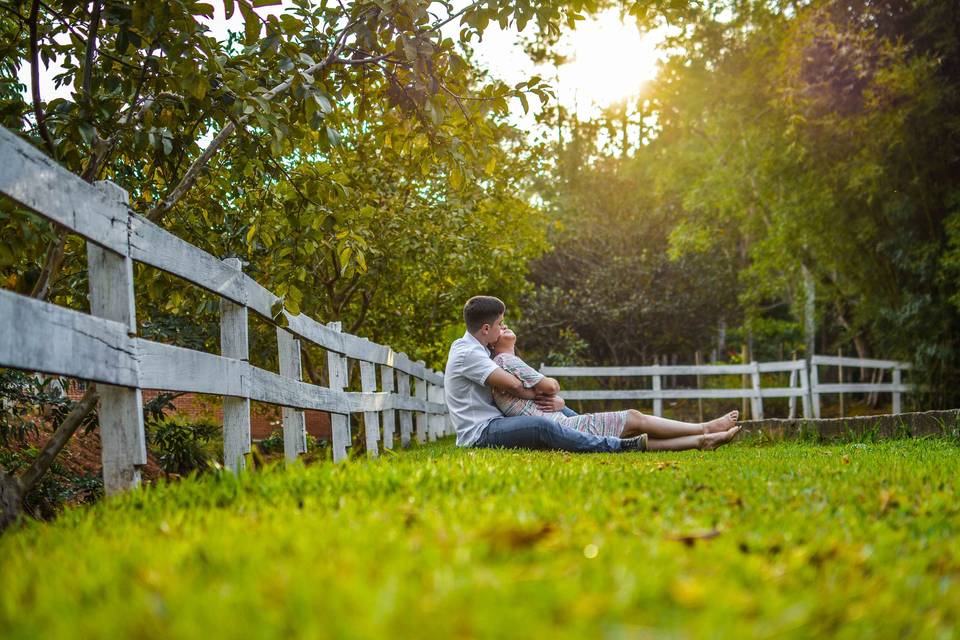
182 445
274 443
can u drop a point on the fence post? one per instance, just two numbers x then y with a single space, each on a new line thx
123 442
236 411
389 415
840 379
406 418
805 390
696 359
421 393
756 402
792 383
434 394
339 423
657 400
294 420
371 421
814 384
896 394
743 383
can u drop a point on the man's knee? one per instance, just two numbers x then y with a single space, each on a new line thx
547 429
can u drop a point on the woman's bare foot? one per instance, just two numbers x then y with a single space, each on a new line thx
711 441
721 424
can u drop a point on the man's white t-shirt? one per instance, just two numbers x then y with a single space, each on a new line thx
469 400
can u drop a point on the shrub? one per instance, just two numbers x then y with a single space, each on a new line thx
182 445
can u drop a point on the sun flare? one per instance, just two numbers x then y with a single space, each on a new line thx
608 61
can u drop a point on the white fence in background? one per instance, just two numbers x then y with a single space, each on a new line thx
803 383
103 347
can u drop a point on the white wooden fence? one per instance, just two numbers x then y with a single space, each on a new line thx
103 347
803 383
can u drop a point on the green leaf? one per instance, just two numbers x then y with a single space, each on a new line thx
456 177
86 132
345 254
228 8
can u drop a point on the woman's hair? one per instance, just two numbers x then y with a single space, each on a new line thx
481 310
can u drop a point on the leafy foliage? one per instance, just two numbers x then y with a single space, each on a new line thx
776 139
183 445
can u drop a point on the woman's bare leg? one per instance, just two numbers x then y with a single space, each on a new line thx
663 428
702 441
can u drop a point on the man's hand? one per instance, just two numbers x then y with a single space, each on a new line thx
549 404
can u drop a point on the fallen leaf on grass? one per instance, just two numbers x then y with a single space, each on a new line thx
668 464
690 538
511 538
888 500
845 459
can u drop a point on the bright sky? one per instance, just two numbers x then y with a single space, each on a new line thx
607 61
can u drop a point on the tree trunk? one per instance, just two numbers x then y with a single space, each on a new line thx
11 500
12 488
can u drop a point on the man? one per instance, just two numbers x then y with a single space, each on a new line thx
471 374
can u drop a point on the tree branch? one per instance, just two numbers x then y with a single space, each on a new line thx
51 264
190 177
92 31
35 80
437 27
59 439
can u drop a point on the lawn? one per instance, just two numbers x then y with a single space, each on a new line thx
777 540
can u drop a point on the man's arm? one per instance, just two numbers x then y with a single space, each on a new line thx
510 384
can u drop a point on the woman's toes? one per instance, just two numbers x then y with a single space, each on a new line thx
713 440
723 423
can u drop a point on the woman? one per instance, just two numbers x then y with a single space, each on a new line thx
662 434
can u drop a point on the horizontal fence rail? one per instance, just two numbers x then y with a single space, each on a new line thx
103 346
803 383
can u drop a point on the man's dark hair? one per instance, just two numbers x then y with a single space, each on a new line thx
481 310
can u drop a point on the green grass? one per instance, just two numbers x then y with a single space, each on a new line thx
846 540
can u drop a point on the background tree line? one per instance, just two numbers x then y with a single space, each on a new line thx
780 141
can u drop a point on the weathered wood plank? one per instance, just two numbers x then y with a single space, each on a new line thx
671 370
863 363
171 368
234 344
896 394
339 424
677 394
159 248
267 386
805 389
39 336
657 397
435 395
389 415
38 183
421 394
371 419
864 387
406 418
756 400
792 403
123 441
814 395
294 420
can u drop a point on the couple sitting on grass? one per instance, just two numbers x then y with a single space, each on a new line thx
497 400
